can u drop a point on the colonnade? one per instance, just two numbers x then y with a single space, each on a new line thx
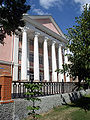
24 61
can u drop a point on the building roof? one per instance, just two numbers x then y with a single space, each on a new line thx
42 22
50 18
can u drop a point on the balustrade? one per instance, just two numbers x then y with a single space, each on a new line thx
48 88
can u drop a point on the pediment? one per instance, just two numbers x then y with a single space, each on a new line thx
48 22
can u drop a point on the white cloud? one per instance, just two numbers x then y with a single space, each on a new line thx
82 2
50 3
40 12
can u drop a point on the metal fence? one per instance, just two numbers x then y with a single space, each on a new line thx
48 88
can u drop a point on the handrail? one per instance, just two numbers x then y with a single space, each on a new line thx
48 88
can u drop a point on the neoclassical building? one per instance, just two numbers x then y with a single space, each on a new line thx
35 52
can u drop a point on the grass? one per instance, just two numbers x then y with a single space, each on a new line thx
80 115
78 110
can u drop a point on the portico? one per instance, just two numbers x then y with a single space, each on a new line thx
48 66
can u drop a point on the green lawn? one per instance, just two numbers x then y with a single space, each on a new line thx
79 110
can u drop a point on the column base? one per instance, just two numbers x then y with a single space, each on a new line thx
36 81
45 81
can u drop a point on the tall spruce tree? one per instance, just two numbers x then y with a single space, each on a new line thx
79 46
11 13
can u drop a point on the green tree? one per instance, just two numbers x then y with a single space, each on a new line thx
79 46
11 13
33 90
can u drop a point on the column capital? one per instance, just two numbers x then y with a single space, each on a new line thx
66 50
36 34
46 38
53 42
24 30
16 36
60 45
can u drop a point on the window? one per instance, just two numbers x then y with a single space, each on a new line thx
19 75
41 59
50 62
40 45
31 57
31 42
41 77
19 56
31 77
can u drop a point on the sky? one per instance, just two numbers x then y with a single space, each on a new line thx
63 11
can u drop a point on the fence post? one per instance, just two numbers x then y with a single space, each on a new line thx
62 86
5 89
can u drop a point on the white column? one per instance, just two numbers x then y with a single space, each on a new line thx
60 60
15 57
46 61
54 65
24 56
28 65
66 62
36 58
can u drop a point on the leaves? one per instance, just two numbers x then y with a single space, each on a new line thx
33 108
11 14
79 46
32 91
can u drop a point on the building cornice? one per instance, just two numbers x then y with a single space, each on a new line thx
48 17
6 62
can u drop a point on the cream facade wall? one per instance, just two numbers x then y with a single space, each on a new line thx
6 49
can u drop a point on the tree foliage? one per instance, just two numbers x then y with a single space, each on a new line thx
11 13
33 90
79 46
